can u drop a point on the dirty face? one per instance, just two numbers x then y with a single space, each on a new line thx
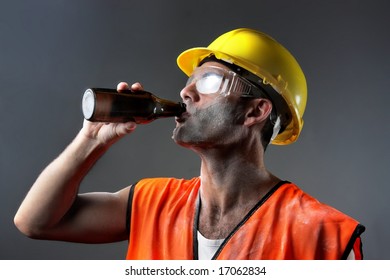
210 120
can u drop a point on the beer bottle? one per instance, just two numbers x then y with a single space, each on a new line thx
108 105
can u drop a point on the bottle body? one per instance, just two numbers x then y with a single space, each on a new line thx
107 105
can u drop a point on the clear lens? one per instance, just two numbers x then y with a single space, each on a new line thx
215 80
208 80
209 83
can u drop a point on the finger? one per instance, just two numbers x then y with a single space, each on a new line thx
122 86
125 128
137 86
130 126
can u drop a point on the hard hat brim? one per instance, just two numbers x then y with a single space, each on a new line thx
190 59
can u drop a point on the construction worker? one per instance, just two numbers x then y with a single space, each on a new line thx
244 91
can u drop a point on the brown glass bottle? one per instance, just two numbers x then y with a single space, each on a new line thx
107 105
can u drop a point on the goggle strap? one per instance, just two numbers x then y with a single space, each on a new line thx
276 128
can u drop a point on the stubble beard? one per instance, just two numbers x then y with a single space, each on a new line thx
208 127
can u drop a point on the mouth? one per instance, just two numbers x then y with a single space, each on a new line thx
182 118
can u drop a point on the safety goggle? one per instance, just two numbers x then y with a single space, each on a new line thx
216 80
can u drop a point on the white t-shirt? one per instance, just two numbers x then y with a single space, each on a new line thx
207 247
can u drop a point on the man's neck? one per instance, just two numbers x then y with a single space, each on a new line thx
231 185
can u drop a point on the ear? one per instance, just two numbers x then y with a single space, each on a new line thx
258 111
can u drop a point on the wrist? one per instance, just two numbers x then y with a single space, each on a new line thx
84 146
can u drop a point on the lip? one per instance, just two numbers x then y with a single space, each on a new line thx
182 118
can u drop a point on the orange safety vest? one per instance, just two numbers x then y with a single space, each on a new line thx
285 224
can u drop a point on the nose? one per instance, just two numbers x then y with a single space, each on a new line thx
189 93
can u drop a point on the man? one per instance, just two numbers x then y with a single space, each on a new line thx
245 90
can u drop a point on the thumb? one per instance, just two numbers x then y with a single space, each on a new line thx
125 128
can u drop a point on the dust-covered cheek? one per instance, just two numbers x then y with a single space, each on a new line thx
214 125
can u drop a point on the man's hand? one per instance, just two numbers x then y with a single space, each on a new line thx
108 133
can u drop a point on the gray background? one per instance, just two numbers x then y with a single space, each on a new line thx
51 51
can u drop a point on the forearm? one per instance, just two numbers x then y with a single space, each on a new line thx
55 190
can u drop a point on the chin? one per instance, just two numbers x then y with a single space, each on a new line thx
185 140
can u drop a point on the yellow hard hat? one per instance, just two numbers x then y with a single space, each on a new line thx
261 55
